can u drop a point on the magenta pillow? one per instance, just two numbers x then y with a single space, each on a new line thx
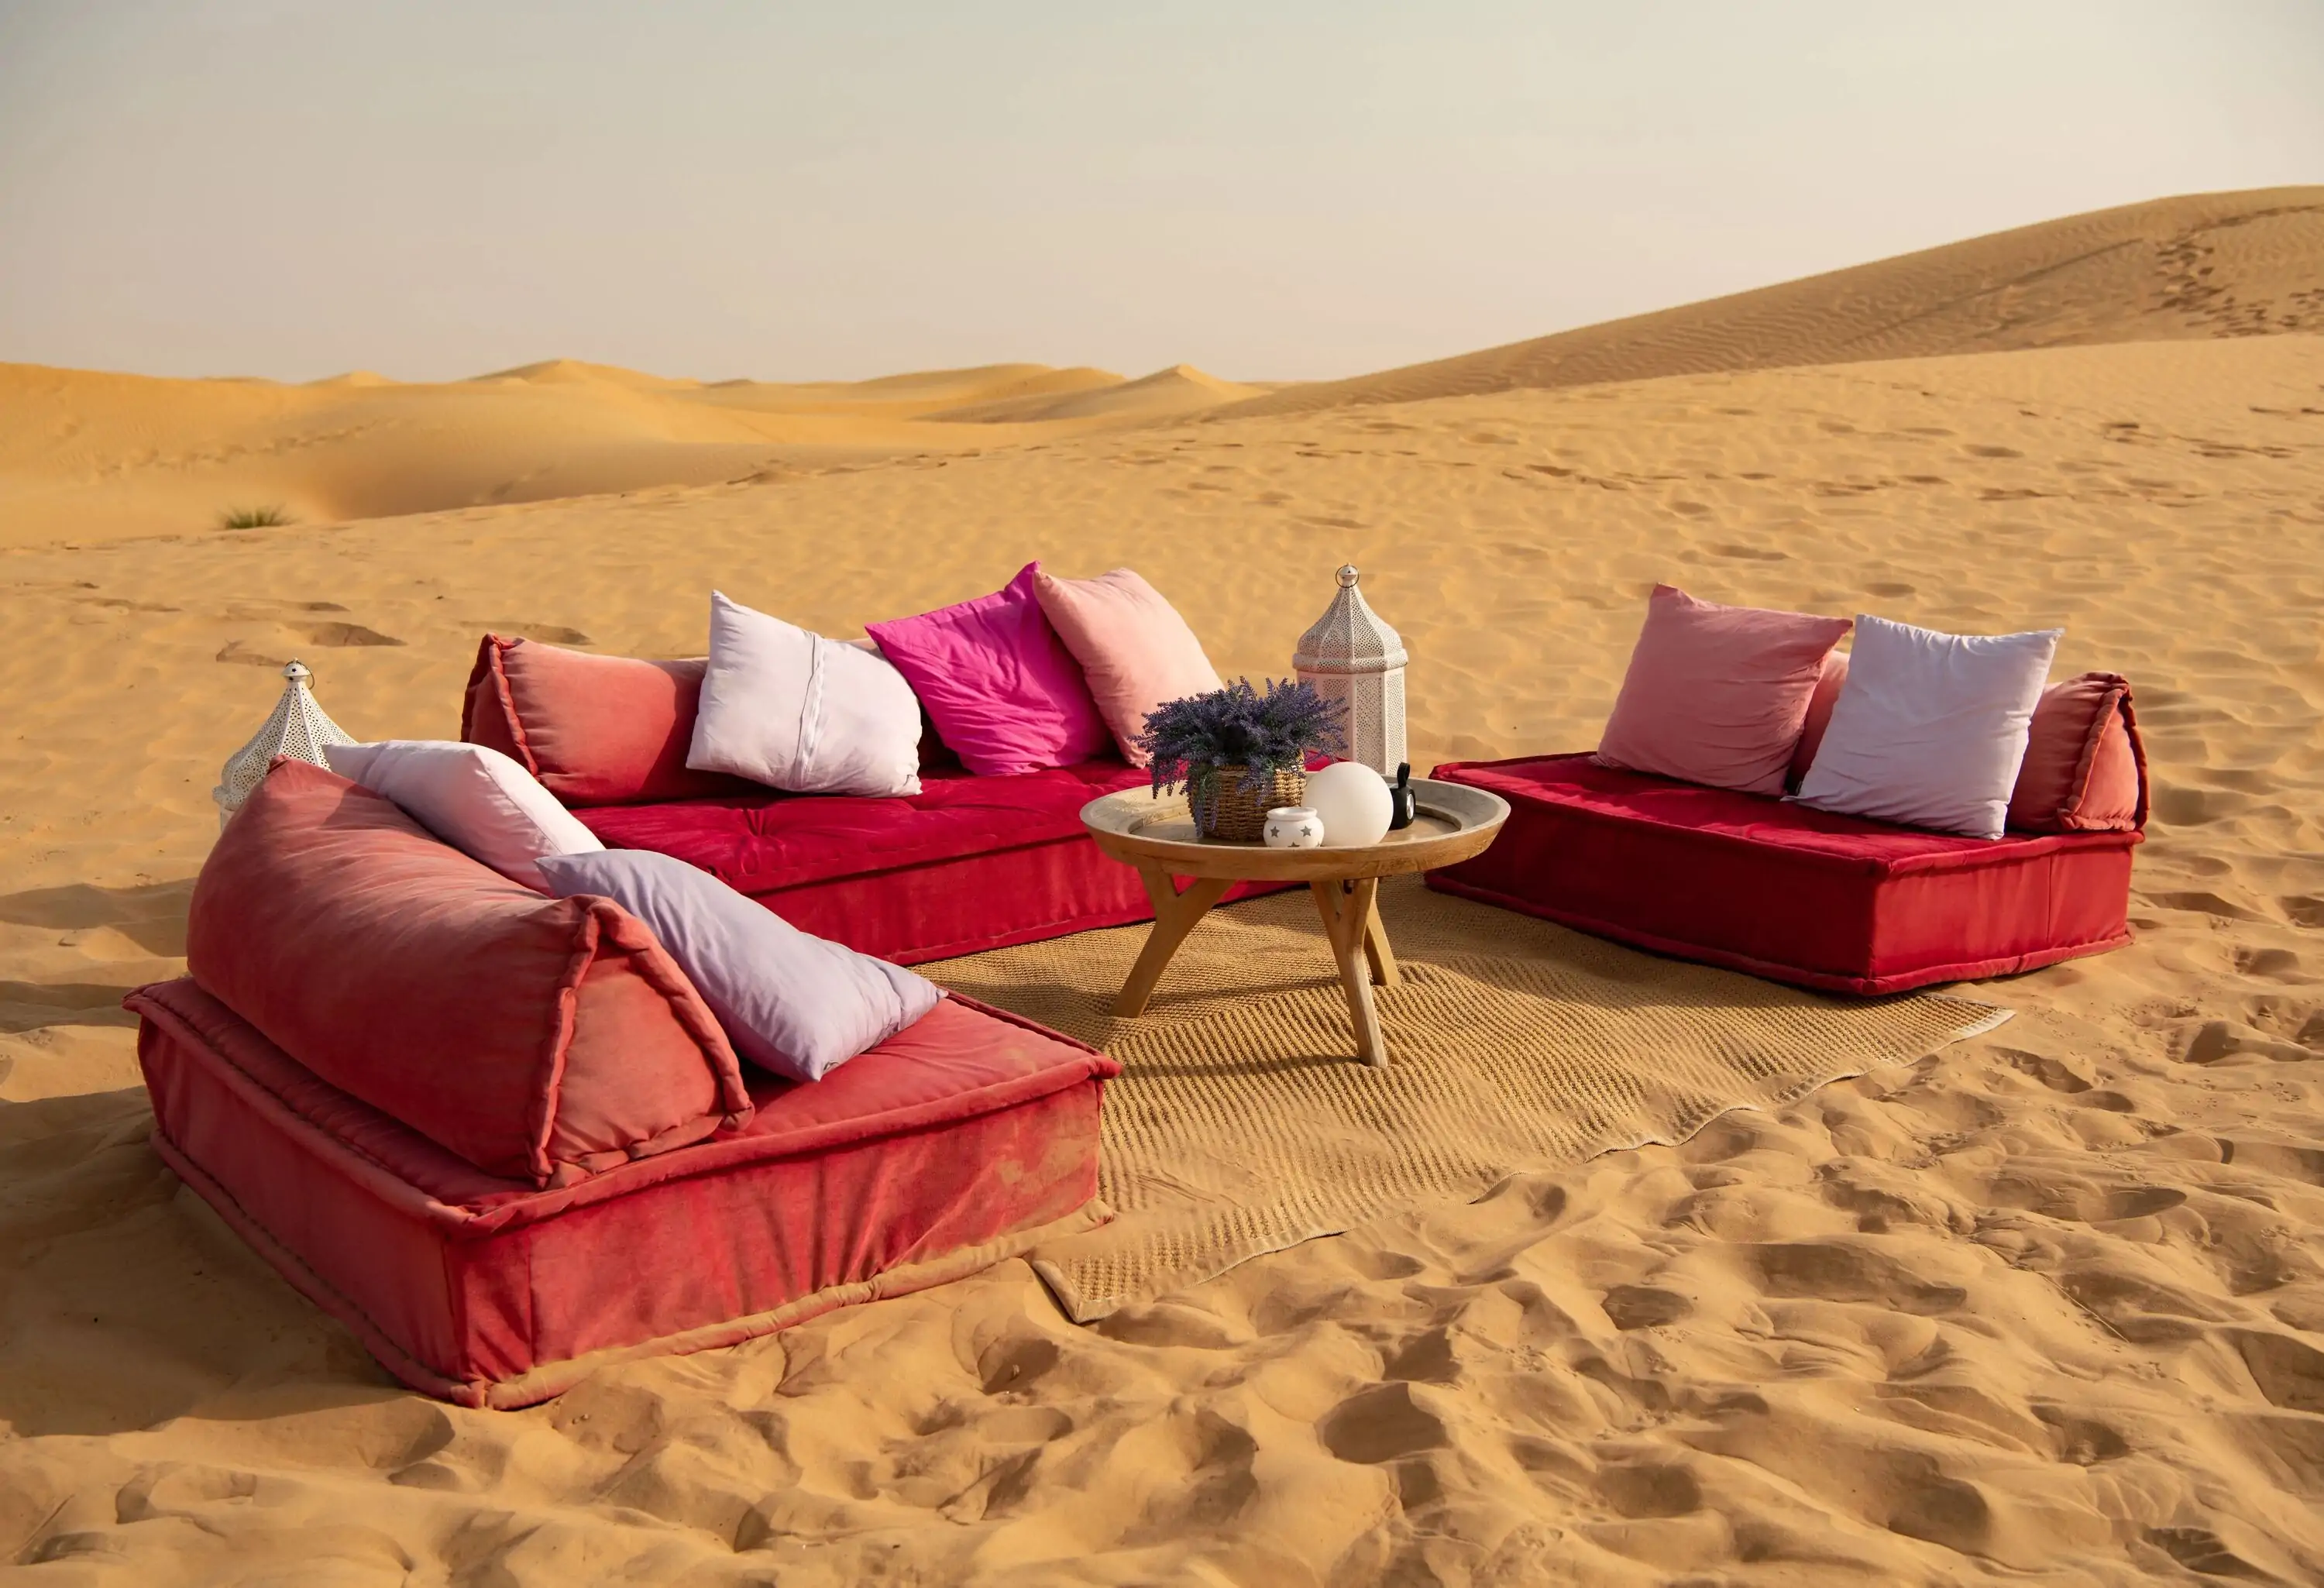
998 684
1717 694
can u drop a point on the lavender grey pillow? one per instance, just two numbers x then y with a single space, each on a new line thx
793 1003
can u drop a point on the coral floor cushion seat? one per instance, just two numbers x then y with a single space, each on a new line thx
964 1140
967 863
539 1039
1835 902
502 1138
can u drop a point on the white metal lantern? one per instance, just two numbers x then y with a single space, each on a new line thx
299 728
1350 655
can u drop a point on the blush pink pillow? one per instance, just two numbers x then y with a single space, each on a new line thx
1134 649
998 684
1717 694
1829 684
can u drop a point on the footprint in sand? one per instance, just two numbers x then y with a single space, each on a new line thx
1381 1423
1643 1307
547 633
1650 1491
335 636
331 636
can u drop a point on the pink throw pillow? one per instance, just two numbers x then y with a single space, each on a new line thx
1717 694
2084 768
997 683
1135 650
1829 684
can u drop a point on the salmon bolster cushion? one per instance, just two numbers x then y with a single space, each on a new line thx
595 730
541 1040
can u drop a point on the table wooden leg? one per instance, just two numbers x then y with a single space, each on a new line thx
1175 915
1377 951
1378 955
1347 910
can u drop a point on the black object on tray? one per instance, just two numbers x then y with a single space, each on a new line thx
1402 802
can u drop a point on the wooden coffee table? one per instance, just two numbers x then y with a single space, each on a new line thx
1157 836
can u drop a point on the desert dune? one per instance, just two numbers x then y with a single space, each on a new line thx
87 456
2210 264
2047 1306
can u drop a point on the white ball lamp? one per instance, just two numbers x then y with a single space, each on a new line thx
1353 801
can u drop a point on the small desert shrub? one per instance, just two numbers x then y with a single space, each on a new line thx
254 518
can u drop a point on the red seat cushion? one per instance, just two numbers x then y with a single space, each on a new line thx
539 1038
967 863
953 1144
1778 890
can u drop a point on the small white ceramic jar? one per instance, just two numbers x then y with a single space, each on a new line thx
1293 827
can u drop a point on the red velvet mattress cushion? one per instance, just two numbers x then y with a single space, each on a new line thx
595 730
539 1038
1793 894
967 863
953 1144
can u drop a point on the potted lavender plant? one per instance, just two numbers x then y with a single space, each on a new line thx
1240 752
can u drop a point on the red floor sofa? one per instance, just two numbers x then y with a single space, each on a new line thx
1840 903
968 864
499 1137
1834 902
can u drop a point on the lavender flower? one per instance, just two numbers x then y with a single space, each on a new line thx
1240 729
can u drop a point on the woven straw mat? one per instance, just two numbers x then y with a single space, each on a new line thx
1241 1124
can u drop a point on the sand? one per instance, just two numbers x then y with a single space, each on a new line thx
2047 1307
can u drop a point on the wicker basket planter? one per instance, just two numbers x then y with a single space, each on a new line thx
1231 807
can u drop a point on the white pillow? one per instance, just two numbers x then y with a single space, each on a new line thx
475 799
800 713
1930 728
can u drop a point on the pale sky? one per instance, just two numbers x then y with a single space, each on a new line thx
296 187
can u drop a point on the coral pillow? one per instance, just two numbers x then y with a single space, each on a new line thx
475 799
1931 729
800 713
543 1039
1134 649
2085 767
998 684
1829 684
1717 694
595 730
795 1003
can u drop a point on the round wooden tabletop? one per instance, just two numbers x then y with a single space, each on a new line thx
1154 832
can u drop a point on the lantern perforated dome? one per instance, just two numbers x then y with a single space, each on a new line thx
1350 655
299 728
1349 637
